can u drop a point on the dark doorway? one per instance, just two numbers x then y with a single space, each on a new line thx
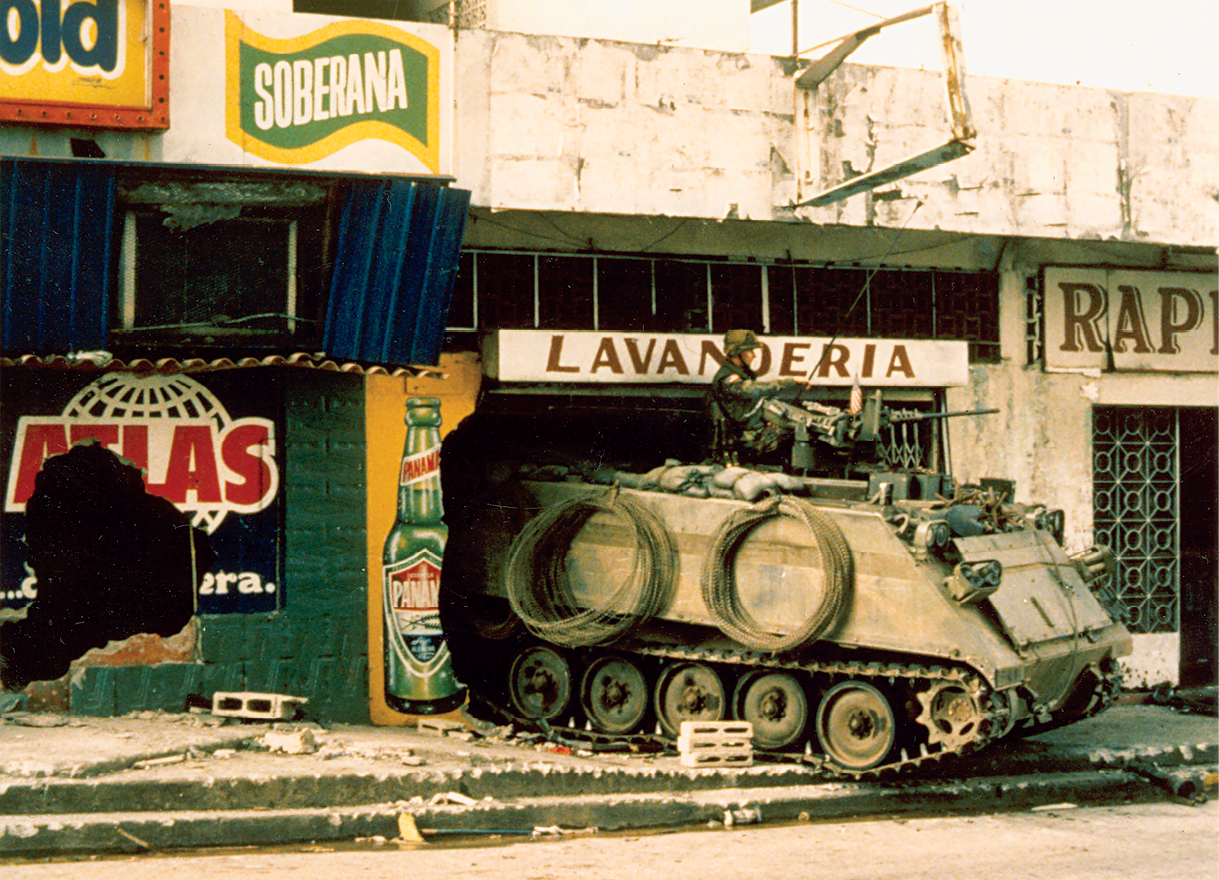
1199 484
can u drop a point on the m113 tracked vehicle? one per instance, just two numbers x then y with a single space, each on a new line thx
870 619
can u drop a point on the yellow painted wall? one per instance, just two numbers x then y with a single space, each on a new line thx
385 426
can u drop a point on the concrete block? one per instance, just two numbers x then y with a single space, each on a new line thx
260 706
718 757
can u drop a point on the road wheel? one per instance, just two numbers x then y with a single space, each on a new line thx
539 683
688 692
856 725
774 703
614 695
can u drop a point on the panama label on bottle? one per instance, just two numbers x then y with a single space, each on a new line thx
418 467
412 590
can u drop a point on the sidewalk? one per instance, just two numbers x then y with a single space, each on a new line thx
73 784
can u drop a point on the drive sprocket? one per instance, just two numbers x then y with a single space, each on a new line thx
952 713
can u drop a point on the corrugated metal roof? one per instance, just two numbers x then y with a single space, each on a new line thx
103 362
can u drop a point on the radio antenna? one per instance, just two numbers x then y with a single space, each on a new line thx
825 351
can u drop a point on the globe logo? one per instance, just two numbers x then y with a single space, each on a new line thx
132 396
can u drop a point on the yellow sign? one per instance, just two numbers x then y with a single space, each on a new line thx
299 99
97 63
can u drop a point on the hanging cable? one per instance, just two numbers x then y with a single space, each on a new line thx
719 587
539 588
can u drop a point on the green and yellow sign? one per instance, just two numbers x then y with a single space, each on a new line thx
300 99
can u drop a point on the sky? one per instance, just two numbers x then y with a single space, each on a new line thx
1167 46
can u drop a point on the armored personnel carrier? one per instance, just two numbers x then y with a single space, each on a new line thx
868 618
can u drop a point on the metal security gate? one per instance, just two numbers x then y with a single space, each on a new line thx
1136 510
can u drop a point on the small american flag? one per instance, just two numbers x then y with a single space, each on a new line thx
856 404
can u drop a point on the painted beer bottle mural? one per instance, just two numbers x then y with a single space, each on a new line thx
418 669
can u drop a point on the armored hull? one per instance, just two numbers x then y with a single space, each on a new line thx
864 632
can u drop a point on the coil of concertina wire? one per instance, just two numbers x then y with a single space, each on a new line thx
719 587
539 589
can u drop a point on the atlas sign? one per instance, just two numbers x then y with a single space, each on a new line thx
94 63
1127 320
190 451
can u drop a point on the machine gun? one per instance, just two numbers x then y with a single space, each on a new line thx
843 432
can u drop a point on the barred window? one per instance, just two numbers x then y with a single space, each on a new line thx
497 289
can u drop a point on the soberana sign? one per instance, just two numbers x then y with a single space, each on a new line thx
299 99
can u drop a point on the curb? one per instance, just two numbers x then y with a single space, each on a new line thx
133 832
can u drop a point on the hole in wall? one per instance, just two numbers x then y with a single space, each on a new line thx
111 561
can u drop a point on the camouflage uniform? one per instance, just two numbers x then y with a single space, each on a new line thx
736 393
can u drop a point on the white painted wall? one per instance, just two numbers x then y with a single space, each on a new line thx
590 126
704 24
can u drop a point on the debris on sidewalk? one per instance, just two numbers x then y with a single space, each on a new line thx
440 727
1187 785
451 798
1198 701
35 719
143 844
290 742
408 831
557 831
742 816
149 763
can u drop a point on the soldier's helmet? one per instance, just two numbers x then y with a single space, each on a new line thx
737 341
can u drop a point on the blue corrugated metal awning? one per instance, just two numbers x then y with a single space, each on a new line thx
393 275
394 271
56 234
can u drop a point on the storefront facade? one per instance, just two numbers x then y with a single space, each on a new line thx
637 201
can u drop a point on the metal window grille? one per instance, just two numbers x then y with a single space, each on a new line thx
1135 460
1034 321
702 295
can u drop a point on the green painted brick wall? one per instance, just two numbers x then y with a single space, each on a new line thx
316 645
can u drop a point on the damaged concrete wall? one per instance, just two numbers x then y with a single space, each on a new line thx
551 123
562 124
1051 161
718 24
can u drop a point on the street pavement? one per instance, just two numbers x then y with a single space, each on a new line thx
152 782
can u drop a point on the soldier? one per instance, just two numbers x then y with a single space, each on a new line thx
735 402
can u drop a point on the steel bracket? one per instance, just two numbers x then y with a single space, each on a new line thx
963 134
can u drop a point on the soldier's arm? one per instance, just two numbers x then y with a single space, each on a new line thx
756 389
